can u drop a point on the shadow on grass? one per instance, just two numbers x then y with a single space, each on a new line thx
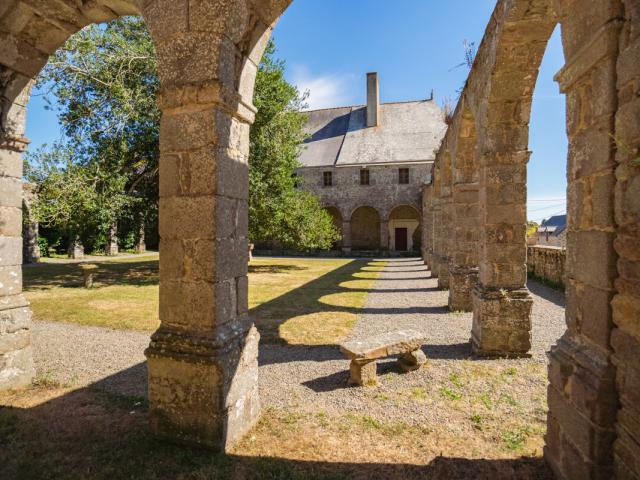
109 273
96 434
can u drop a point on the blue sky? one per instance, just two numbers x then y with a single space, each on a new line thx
329 46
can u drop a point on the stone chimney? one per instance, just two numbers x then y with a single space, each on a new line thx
373 100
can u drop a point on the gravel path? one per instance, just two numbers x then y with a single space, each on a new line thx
314 378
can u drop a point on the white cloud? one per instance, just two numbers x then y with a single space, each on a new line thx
325 91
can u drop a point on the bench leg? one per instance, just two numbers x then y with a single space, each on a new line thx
412 360
363 372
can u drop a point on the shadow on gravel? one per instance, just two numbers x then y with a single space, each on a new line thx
88 433
550 294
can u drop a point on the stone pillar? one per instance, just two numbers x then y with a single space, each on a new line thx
436 230
30 245
346 237
427 225
446 233
582 396
112 240
141 247
384 236
75 250
16 363
464 259
626 302
501 301
202 361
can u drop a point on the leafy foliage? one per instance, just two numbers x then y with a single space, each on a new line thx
105 83
277 209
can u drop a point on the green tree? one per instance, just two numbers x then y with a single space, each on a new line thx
278 211
105 83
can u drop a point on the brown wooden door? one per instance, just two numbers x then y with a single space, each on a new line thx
401 239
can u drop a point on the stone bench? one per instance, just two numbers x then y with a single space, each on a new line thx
364 353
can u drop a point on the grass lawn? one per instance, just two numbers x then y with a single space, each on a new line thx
297 301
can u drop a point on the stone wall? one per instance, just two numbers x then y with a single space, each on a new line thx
383 194
547 263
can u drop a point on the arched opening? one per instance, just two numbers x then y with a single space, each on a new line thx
365 229
404 229
202 360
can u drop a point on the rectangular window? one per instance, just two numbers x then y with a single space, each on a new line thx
403 176
364 177
327 178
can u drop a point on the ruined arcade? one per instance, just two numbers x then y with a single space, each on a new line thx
203 360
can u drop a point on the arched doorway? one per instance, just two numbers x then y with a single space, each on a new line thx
365 229
404 229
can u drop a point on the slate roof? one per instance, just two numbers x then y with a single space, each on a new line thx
554 225
406 132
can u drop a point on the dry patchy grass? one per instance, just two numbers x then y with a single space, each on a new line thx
87 433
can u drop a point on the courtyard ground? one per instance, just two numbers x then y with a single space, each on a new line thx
456 417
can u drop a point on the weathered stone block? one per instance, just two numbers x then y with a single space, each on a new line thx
16 368
501 322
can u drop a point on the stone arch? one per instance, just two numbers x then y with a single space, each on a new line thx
404 220
365 228
204 353
29 35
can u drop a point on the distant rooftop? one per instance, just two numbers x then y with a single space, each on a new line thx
406 132
554 225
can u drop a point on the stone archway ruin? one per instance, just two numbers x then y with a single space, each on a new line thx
202 360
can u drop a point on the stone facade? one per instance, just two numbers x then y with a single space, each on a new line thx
203 359
384 195
547 263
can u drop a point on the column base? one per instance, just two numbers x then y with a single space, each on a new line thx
203 391
444 273
463 279
16 358
582 411
501 323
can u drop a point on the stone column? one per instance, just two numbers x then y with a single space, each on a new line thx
30 227
582 396
626 303
384 236
464 259
436 230
202 361
75 249
112 240
346 237
141 246
501 301
16 363
446 234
